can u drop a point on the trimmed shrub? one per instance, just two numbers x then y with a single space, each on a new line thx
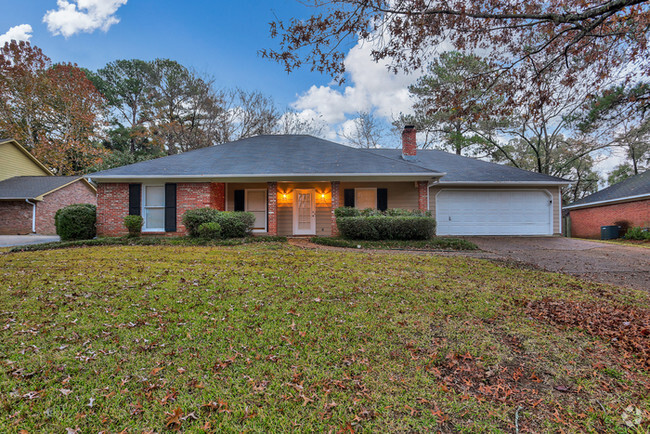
194 218
370 212
346 211
637 233
76 222
387 228
234 224
134 225
210 230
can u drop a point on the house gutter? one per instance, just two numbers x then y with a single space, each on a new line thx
33 215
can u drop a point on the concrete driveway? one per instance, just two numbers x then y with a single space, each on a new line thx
21 240
602 262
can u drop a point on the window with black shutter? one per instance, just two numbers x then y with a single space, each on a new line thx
135 194
382 199
170 207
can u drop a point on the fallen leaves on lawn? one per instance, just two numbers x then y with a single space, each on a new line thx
624 327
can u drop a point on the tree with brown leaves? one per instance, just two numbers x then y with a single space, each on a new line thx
573 34
54 110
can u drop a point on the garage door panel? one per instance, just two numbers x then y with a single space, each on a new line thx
493 212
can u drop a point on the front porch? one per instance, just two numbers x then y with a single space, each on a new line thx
307 208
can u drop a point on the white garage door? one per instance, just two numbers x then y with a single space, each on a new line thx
494 212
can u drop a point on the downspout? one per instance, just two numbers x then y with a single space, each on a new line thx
33 215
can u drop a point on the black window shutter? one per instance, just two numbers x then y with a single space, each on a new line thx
135 194
348 197
382 199
239 200
170 207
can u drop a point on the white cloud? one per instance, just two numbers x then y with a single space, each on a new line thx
74 16
19 33
372 88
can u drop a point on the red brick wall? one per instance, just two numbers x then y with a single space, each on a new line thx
15 217
272 208
219 196
190 196
423 196
77 192
336 193
586 222
113 205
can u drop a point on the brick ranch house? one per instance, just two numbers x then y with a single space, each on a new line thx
626 203
292 184
30 194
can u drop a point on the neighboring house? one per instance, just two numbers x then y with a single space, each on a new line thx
17 161
30 194
624 203
292 183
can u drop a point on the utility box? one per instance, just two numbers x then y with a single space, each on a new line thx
609 232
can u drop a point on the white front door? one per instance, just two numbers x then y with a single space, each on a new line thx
304 212
256 204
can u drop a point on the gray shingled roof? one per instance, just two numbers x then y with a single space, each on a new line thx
465 169
268 155
30 187
637 185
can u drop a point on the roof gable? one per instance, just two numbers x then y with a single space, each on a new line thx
638 185
17 161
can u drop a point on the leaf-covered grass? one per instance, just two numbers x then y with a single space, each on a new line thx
623 242
148 241
436 243
268 338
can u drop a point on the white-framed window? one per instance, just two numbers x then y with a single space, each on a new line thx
365 198
255 202
153 208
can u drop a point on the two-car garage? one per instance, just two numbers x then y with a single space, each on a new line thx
494 211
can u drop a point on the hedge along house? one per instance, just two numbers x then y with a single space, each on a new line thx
30 194
292 184
626 203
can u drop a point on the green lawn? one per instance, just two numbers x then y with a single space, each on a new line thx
268 337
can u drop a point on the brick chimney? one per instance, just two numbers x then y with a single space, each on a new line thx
409 146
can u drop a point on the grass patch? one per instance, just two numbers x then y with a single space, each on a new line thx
436 243
268 338
622 242
147 241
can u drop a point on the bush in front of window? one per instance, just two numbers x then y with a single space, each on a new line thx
210 230
390 225
194 218
133 224
234 224
76 222
346 211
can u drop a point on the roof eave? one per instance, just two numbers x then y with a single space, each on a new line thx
497 183
270 177
609 201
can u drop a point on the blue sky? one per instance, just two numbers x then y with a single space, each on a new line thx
218 38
